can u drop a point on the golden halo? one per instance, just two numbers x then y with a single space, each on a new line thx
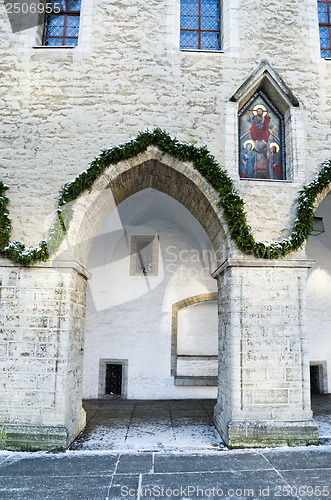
260 106
276 146
249 142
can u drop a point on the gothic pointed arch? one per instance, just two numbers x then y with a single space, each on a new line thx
150 169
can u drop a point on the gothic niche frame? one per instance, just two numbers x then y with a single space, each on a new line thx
261 140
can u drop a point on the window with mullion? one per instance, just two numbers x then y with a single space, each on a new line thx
62 23
200 24
324 19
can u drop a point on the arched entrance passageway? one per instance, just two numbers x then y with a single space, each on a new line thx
263 377
129 320
131 335
318 249
318 301
160 172
263 386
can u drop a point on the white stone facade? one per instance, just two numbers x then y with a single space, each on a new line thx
60 107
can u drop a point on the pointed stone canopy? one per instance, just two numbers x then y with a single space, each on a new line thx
267 79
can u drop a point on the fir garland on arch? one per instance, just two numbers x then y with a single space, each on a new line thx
230 201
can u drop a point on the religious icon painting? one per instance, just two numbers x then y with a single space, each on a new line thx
261 140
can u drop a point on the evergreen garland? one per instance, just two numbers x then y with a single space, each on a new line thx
230 201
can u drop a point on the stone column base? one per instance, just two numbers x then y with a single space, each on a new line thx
18 437
246 434
33 438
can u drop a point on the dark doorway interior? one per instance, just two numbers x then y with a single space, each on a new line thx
114 379
315 386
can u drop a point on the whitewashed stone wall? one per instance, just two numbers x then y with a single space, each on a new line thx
50 92
60 107
197 335
194 335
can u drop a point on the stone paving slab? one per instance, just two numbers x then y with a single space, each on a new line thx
55 488
165 425
105 414
97 438
111 422
140 463
59 464
149 426
303 459
187 412
111 405
152 413
179 421
123 486
218 462
224 484
108 476
321 404
317 480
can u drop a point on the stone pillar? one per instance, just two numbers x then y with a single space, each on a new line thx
264 387
42 312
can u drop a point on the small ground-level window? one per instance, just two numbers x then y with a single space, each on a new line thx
144 255
261 140
200 24
62 23
113 378
324 19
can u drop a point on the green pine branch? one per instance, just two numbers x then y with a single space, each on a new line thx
205 163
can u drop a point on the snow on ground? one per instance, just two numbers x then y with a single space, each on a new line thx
151 436
160 430
324 426
156 436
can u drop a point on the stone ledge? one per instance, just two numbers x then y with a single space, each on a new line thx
198 381
55 264
263 263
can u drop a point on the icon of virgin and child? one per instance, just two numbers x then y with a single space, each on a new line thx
260 143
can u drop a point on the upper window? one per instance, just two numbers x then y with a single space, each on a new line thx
62 23
324 18
261 140
200 24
